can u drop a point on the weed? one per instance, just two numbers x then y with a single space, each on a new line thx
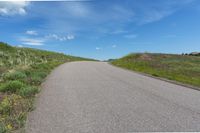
28 91
36 80
2 128
11 86
13 110
18 75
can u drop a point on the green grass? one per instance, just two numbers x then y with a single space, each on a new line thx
17 75
28 91
22 70
11 86
184 69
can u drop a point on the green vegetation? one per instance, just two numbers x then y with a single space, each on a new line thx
11 86
22 70
181 68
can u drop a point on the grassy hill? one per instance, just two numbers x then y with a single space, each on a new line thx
12 57
184 69
22 70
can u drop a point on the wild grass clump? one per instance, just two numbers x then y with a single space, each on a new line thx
13 110
35 80
28 91
12 86
3 128
17 75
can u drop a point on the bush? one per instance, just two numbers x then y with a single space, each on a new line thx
18 75
11 86
28 91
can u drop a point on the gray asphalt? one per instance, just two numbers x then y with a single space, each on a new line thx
95 97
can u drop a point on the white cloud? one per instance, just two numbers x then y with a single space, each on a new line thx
131 36
155 15
32 41
31 32
60 38
9 8
70 37
76 9
97 48
159 10
114 46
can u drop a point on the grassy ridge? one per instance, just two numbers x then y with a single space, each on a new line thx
22 70
184 69
11 57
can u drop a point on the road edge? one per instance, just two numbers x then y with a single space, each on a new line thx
159 78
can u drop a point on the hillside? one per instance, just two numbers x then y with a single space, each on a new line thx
184 69
12 57
22 70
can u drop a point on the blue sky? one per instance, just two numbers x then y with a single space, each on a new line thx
103 29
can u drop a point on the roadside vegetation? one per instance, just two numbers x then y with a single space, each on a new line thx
22 70
181 68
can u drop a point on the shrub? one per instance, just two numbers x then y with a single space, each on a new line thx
18 75
28 91
11 86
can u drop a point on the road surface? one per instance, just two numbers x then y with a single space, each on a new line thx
95 97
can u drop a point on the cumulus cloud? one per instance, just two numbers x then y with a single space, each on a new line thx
31 32
32 41
9 8
60 38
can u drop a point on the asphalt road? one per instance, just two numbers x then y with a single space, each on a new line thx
95 97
